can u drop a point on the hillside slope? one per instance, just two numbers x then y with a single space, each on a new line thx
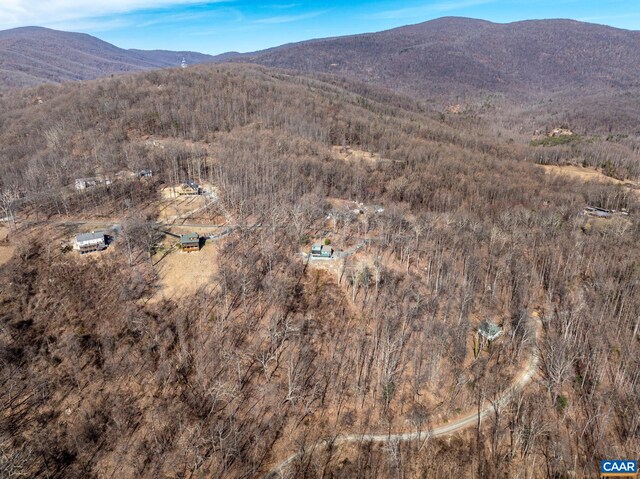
456 56
33 55
272 353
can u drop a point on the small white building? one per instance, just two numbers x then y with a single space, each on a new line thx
89 242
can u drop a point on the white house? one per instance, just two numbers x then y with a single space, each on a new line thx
89 242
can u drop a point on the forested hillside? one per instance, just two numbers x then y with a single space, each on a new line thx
444 221
521 74
456 57
33 55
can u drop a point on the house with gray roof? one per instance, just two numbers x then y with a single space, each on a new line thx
90 242
489 330
189 187
190 242
321 251
598 212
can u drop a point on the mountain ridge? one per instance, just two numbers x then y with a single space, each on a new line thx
447 58
34 55
460 55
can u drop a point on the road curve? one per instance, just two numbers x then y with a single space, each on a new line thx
444 430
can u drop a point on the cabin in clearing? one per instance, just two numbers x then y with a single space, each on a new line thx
189 187
190 242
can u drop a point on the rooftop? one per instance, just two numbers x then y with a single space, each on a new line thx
189 238
489 330
94 235
595 208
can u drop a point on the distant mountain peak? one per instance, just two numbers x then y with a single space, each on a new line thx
454 56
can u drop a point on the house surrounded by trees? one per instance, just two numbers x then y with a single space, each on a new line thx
84 183
599 212
489 330
321 251
90 242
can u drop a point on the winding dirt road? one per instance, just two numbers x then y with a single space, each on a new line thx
469 419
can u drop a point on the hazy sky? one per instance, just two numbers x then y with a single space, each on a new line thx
245 25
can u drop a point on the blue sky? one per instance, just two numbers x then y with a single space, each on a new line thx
245 25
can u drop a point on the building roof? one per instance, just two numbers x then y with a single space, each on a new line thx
489 330
189 238
595 211
321 250
94 235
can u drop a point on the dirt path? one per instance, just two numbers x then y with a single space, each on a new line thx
443 430
210 199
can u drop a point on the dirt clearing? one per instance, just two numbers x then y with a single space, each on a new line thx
6 248
584 174
353 154
171 210
175 208
184 273
6 252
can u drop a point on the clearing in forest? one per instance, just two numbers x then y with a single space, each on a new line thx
584 174
174 208
347 153
184 273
